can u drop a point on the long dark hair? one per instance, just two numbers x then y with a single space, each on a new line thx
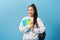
35 15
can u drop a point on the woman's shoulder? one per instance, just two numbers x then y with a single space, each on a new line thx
39 19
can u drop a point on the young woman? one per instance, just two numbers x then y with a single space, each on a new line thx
32 27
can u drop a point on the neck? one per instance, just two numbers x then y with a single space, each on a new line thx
31 16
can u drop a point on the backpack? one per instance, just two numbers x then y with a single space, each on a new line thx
41 36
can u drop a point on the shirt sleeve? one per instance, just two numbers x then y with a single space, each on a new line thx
41 26
22 28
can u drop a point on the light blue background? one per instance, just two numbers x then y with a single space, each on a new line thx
12 11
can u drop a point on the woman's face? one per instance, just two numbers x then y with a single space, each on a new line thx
31 11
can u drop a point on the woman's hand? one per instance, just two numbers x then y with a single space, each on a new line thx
31 26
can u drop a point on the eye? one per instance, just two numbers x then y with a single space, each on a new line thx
31 9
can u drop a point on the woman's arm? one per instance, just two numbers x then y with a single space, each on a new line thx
41 26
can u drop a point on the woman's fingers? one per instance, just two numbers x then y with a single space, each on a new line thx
31 29
32 25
